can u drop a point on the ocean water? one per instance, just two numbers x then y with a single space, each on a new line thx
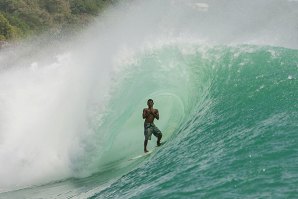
223 75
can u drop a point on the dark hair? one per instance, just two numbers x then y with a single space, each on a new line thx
150 100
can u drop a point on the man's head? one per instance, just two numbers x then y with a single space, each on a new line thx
150 102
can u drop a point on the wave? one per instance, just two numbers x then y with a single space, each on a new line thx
236 127
74 110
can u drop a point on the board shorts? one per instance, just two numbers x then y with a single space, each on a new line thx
149 129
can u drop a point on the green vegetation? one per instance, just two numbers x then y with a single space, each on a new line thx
20 18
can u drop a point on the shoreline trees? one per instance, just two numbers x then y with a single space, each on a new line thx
22 18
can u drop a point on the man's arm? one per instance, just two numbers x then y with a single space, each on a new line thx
156 114
144 113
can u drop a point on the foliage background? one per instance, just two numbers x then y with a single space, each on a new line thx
21 18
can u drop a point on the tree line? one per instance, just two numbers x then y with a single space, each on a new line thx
21 18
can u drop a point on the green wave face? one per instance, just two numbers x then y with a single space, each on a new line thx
229 114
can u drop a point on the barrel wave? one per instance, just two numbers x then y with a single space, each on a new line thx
235 133
72 120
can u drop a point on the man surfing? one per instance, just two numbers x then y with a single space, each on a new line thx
149 114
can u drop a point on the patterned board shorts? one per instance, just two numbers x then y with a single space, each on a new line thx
149 129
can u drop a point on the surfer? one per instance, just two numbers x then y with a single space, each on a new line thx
149 114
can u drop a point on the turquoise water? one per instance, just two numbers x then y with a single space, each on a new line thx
229 115
239 136
71 122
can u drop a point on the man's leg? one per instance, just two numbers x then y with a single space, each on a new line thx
145 146
158 134
158 139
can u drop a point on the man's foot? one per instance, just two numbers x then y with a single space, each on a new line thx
145 151
158 143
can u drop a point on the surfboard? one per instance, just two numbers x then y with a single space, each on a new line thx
148 153
140 156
